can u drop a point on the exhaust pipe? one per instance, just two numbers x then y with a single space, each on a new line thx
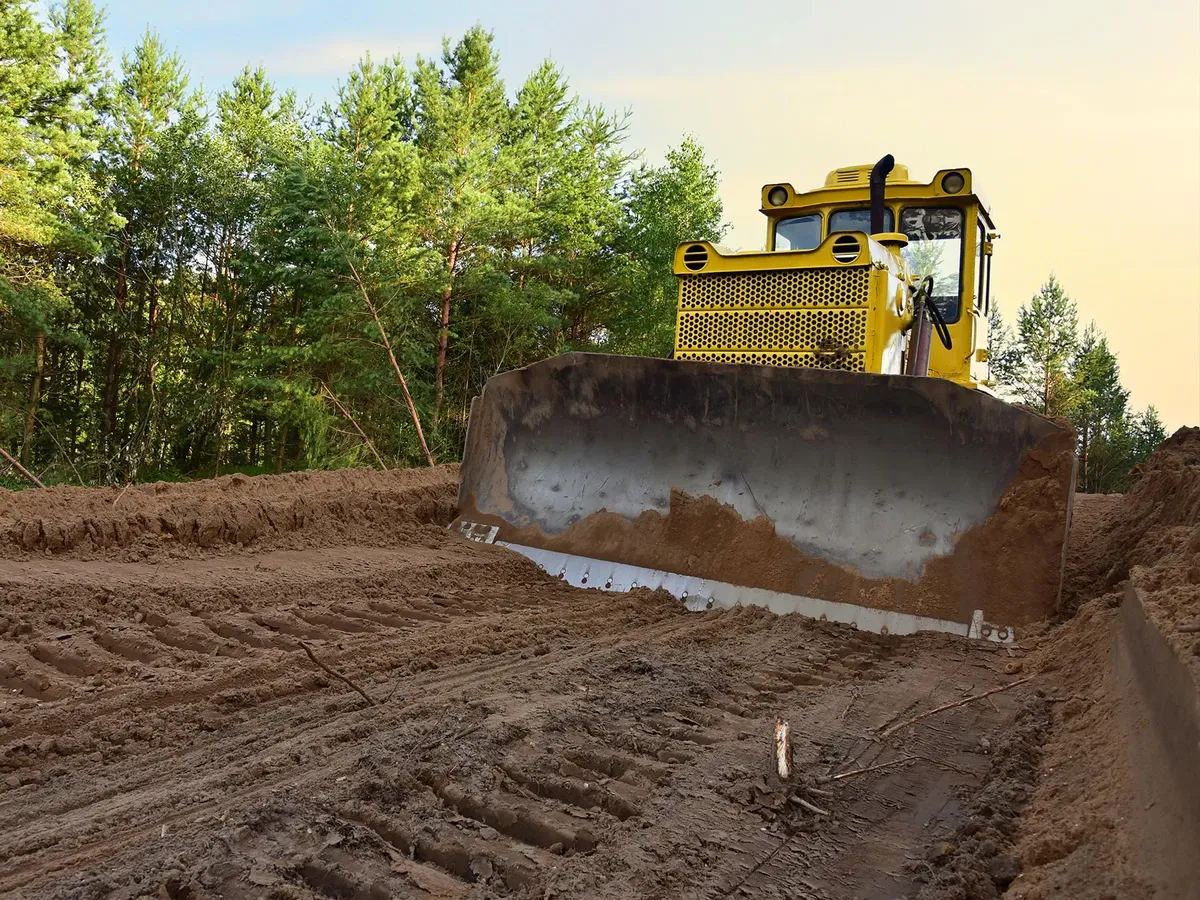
879 174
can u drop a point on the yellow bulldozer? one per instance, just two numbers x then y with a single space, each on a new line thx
822 441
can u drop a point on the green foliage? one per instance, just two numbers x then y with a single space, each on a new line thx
1046 342
1056 371
1004 357
668 205
192 285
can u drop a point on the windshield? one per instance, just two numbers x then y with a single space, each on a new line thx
857 220
798 233
935 241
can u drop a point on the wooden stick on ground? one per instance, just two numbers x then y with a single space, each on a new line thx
811 807
350 419
20 468
892 762
955 705
328 671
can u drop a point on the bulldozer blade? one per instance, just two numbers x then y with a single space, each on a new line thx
896 503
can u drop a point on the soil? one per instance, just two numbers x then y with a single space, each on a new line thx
164 733
1089 830
1010 566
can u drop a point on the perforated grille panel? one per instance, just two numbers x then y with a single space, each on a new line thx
773 329
845 286
849 362
811 318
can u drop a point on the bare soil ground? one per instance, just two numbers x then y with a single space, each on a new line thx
164 733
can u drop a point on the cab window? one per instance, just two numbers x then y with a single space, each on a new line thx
857 220
935 248
798 233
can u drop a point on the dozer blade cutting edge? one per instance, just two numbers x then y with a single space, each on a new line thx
895 503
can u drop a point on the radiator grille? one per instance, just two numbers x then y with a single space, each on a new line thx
843 286
849 362
773 329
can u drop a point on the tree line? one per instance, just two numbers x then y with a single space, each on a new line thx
194 284
1050 366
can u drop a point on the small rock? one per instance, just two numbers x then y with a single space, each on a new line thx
482 867
585 841
939 851
557 848
1004 870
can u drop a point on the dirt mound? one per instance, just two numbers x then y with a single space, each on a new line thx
1086 831
235 509
1155 520
1152 536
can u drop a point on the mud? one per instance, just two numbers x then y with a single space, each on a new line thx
163 734
1010 567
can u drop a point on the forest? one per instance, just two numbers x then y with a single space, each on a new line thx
194 284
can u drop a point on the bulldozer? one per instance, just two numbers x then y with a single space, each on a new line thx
823 440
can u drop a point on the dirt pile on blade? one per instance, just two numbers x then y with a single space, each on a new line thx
235 509
1009 566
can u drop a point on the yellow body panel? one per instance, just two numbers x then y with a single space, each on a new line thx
846 303
794 308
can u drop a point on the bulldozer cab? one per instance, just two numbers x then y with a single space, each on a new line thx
949 237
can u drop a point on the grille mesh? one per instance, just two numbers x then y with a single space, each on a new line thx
773 329
849 362
789 287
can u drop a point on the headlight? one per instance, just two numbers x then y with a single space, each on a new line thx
953 182
777 196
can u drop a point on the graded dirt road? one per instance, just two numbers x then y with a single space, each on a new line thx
164 733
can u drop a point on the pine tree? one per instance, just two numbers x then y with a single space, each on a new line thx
462 121
52 214
1003 355
1099 399
667 205
1146 433
149 95
1046 342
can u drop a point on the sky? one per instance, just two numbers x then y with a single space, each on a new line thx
1079 120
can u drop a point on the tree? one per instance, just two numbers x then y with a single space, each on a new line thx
1125 445
461 121
1146 432
1099 400
52 212
1003 355
150 94
665 206
1046 342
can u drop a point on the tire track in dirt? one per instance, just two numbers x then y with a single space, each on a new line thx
167 736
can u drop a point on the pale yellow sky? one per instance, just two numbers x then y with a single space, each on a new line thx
1080 118
1080 122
